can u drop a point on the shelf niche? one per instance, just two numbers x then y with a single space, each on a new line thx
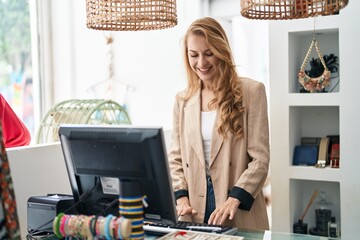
311 121
299 43
300 195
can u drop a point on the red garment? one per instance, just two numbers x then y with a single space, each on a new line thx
15 132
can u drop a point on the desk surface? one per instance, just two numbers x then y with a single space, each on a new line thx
254 235
268 235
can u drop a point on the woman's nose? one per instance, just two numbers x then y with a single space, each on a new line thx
202 61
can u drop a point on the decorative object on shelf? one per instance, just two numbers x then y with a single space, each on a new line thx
286 10
130 15
317 68
335 156
323 153
305 155
333 228
314 84
322 216
310 141
80 111
300 226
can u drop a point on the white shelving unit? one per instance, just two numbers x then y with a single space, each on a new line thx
295 115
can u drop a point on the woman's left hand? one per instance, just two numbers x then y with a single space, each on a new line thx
226 210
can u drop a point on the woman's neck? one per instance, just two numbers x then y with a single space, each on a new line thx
207 96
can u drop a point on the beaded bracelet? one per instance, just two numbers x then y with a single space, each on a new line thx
119 221
84 226
72 226
102 227
56 225
66 227
79 225
112 227
62 225
99 228
107 227
93 223
126 226
87 227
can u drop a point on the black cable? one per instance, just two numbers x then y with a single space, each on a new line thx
82 197
109 205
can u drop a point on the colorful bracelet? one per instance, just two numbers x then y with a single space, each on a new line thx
119 221
87 228
112 227
126 227
93 223
66 227
62 225
98 226
79 225
107 227
56 225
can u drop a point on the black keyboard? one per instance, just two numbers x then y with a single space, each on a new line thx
155 228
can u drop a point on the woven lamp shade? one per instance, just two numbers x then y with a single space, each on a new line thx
289 9
130 15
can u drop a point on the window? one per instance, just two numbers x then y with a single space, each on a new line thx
16 72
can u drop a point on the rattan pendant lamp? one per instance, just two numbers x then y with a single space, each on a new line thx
130 15
290 9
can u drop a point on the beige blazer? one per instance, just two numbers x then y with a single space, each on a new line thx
240 162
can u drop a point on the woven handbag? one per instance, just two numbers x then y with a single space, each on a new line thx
314 84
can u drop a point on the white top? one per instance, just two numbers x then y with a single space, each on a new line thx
207 126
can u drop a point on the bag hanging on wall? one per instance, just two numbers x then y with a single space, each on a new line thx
314 84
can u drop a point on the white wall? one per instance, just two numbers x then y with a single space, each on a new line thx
150 61
36 171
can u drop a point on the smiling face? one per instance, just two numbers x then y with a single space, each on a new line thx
201 59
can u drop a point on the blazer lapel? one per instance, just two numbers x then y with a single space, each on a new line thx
192 121
216 141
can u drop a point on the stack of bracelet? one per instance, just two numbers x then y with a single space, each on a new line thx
132 208
91 227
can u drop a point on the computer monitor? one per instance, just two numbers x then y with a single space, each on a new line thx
100 158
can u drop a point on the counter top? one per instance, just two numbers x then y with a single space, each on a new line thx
269 235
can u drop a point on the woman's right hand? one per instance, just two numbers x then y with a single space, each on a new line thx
183 207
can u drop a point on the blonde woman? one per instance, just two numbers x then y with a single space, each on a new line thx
219 155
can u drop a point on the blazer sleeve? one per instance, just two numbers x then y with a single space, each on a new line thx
252 179
174 156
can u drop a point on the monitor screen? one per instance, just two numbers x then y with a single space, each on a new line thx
100 158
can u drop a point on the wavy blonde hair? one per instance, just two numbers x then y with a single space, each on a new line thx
226 86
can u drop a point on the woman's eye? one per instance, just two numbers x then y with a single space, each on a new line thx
209 54
193 55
